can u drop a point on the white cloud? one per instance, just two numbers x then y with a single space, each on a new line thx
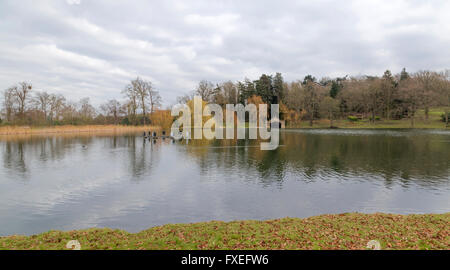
73 2
225 23
96 48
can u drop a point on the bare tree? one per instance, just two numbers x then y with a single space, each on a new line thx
224 93
138 91
70 112
132 103
410 93
447 96
43 102
21 93
374 95
444 94
86 111
205 89
354 96
311 96
293 96
112 108
154 97
8 103
185 98
428 81
141 88
330 107
230 92
57 103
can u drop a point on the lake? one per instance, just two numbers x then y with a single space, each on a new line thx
127 182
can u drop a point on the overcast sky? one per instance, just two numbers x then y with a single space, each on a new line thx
94 48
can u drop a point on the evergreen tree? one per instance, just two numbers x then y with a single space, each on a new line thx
246 90
388 86
264 88
241 92
308 78
277 88
404 75
335 87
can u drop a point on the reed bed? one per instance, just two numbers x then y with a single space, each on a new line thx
87 129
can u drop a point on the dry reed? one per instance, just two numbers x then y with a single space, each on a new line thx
113 129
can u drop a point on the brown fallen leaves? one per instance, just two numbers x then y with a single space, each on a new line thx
342 231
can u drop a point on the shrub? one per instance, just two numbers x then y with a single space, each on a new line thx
352 118
125 121
443 117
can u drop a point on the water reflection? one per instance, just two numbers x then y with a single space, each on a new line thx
128 182
424 159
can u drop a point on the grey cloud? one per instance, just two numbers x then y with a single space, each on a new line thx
95 47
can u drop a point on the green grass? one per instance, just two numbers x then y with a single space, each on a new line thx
433 122
383 124
343 231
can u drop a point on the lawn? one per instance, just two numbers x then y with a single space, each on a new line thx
341 231
434 122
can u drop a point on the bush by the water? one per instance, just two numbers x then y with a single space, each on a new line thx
352 118
377 118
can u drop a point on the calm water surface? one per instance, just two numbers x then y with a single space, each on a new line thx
126 182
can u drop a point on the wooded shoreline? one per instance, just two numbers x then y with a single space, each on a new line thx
114 129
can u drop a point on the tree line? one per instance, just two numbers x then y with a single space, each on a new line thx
22 105
373 98
360 97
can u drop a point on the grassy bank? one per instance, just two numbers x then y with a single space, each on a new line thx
434 122
25 130
344 231
366 124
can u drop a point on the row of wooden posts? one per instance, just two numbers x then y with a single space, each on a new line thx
154 134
